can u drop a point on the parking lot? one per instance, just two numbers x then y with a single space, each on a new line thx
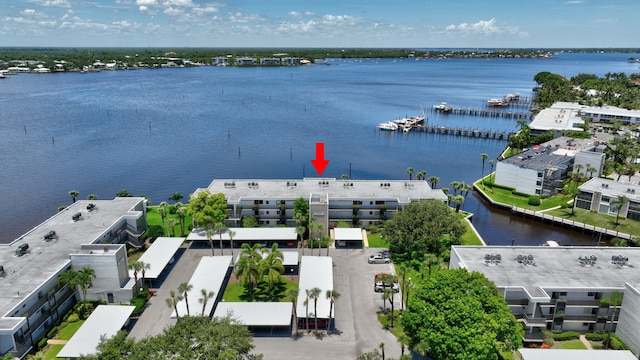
357 327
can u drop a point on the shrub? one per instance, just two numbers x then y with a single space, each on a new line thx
595 336
62 325
73 318
52 332
518 193
374 229
498 186
534 200
617 344
42 343
566 335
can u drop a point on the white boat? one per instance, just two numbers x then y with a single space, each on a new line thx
388 126
442 107
497 102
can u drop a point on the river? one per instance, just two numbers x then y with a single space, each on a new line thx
158 131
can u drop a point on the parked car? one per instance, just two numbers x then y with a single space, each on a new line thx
378 259
379 284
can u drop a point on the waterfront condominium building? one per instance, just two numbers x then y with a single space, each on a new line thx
604 195
562 288
86 234
542 169
357 202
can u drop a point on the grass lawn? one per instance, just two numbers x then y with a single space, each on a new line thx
570 344
601 220
507 197
52 351
69 330
235 292
385 321
154 218
376 241
470 237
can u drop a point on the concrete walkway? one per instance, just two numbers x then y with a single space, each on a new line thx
57 341
586 342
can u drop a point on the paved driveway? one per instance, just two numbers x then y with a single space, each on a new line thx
357 327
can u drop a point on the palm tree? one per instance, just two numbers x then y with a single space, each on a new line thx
615 300
74 194
410 171
619 202
306 306
85 280
386 293
403 270
271 267
231 234
181 212
171 224
382 349
246 269
421 175
491 163
176 196
332 296
458 200
220 228
314 294
172 301
205 298
135 266
300 230
433 181
291 294
144 267
183 289
162 210
92 197
210 233
428 262
456 185
484 157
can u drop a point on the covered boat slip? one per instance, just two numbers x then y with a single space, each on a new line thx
315 272
262 318
283 236
158 256
211 274
106 320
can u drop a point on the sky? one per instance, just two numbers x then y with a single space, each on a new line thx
320 23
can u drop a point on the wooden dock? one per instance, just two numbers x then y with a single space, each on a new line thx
489 112
456 131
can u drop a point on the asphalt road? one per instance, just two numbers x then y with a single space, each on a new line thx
357 327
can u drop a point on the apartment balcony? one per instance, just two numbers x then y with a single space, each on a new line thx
532 322
533 336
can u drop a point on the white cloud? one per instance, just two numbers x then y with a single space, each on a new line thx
52 3
146 10
482 27
146 2
28 12
171 11
574 2
299 14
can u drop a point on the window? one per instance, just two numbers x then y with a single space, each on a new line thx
591 293
110 298
283 202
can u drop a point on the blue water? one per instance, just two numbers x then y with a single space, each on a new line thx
154 132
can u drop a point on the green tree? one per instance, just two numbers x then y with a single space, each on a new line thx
210 234
433 181
314 293
249 221
246 268
271 267
191 338
139 266
410 171
420 226
231 234
207 208
614 300
619 202
457 314
484 157
173 300
204 298
184 289
220 228
332 296
491 164
85 280
181 212
176 196
421 175
92 197
123 193
74 194
163 211
306 307
291 294
458 200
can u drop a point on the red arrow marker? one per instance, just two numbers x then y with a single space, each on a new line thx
319 163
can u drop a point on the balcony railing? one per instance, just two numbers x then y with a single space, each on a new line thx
532 322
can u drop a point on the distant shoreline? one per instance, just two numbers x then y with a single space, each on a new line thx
43 59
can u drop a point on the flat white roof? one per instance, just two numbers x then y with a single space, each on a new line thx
257 313
158 256
249 234
563 354
106 320
556 118
348 234
613 188
209 275
315 271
